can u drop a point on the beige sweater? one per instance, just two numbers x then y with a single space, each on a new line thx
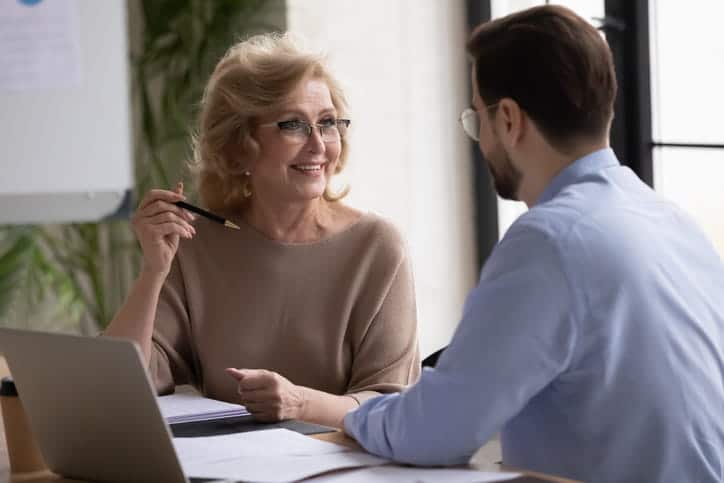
336 315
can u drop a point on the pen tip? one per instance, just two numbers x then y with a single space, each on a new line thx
232 225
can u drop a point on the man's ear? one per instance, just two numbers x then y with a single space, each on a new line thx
511 122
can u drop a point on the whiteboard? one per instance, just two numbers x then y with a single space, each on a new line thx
64 111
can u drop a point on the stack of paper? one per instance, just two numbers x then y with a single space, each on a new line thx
186 405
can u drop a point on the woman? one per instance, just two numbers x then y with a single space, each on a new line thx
308 309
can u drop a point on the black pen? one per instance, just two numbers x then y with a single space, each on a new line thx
204 213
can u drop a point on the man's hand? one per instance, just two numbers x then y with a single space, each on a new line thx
267 395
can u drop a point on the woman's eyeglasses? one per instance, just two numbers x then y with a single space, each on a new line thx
297 131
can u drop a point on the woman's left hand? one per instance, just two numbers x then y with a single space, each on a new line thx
267 395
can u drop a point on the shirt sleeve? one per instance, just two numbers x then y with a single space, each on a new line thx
172 357
516 335
388 356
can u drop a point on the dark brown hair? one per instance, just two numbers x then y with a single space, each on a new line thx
554 64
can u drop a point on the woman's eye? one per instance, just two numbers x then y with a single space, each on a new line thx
330 121
291 125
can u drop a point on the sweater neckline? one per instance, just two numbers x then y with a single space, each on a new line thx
243 225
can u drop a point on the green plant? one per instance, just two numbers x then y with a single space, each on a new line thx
83 271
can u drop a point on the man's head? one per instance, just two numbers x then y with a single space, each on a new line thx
544 69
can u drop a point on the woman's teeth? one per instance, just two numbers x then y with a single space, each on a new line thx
307 168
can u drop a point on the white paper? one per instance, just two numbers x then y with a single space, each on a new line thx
410 474
39 44
187 405
270 442
277 469
274 455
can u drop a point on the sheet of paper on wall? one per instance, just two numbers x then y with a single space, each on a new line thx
39 44
275 455
411 474
187 405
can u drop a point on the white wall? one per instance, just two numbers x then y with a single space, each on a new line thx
404 69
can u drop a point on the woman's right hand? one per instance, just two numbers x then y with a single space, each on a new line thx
159 224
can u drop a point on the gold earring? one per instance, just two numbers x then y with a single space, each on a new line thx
246 189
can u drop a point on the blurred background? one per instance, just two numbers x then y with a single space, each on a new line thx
407 78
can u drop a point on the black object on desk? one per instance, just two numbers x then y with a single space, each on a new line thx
242 424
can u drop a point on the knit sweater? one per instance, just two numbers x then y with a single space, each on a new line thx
337 315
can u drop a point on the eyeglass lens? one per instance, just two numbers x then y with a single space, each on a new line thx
470 121
331 131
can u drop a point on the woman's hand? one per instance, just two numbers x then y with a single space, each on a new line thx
269 396
158 225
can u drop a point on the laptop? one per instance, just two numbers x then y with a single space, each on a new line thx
91 406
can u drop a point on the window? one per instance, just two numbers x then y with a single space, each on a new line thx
687 101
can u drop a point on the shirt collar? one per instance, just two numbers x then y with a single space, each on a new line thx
590 163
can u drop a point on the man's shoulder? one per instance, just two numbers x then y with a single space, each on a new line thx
594 203
551 221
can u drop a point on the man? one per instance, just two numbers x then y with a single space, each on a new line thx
593 341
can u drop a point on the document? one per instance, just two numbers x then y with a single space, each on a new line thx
275 455
187 405
39 44
411 474
268 442
279 469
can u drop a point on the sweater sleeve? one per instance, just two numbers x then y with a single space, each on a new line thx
387 358
171 361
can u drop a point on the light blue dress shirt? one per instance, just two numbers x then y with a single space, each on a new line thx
593 343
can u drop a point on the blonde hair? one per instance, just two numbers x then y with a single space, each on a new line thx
253 78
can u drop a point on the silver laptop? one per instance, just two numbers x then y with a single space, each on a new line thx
91 406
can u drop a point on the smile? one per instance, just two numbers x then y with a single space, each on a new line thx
309 168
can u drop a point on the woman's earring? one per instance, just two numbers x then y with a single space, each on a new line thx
246 189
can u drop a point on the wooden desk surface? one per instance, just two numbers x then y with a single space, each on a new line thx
336 437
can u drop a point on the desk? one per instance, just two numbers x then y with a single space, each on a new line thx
481 461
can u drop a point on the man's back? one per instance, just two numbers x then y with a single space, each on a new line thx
642 397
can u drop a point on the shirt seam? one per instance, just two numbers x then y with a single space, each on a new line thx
576 316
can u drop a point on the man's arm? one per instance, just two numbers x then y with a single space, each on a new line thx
516 336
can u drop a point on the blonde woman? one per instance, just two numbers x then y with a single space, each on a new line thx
309 308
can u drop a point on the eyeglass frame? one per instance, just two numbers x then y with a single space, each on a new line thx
309 128
467 113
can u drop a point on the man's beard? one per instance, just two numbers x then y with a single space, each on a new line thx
506 177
